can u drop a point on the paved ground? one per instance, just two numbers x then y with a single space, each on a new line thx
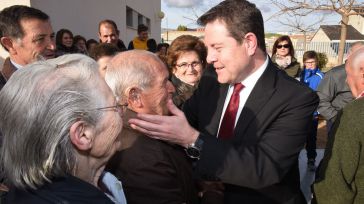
307 177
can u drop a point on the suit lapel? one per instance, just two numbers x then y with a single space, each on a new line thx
8 69
258 98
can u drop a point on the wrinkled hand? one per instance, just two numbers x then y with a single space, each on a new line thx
174 128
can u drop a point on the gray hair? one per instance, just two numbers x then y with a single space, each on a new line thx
38 105
131 69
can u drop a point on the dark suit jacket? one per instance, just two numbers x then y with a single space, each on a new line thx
152 171
6 71
260 163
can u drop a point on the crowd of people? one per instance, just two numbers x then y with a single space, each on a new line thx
213 120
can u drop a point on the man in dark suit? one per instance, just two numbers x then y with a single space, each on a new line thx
26 33
256 160
152 171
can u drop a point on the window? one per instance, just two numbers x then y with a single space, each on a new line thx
129 17
148 24
140 19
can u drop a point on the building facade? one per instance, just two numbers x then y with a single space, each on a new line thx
82 16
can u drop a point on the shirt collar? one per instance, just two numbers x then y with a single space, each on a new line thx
252 79
18 66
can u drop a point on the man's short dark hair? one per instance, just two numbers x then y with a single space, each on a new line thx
11 17
240 16
142 28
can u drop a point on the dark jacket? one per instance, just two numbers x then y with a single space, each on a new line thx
67 189
5 73
293 69
259 164
152 171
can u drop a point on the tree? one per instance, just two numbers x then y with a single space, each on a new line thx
344 8
182 28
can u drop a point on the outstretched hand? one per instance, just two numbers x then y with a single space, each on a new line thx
174 128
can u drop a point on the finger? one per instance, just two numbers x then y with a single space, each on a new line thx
173 108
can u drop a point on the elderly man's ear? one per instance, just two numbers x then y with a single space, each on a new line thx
134 96
82 135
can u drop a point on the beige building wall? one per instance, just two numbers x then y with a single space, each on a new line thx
357 21
171 35
82 16
320 36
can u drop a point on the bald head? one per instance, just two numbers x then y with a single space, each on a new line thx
355 71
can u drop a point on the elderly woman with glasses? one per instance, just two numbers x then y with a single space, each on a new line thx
61 124
283 56
186 59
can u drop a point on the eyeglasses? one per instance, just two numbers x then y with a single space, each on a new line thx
311 62
285 46
120 108
185 65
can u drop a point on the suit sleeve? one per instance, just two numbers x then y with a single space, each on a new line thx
271 151
340 166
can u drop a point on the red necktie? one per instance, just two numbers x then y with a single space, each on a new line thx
228 122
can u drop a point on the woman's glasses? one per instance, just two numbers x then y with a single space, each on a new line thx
285 46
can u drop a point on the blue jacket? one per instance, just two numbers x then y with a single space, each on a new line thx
311 77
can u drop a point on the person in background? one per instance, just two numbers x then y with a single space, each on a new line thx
186 61
64 42
247 121
340 177
283 56
60 126
103 53
162 49
334 92
311 76
109 33
91 43
152 171
152 45
27 34
140 41
80 43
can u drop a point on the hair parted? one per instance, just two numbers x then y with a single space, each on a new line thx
281 39
11 17
183 44
240 17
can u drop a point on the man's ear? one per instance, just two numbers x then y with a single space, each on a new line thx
134 96
82 135
8 43
251 43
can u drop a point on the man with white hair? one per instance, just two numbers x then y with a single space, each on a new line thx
152 171
341 175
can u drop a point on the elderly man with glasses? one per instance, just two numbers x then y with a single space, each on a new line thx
60 126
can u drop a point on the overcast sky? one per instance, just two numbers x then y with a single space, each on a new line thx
180 12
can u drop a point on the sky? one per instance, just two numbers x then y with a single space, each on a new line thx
184 12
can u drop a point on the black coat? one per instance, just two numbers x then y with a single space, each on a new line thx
67 189
260 163
152 171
